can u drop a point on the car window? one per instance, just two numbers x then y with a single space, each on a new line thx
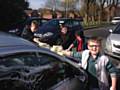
43 21
28 59
67 22
72 23
45 59
52 23
117 29
56 73
59 73
76 23
116 18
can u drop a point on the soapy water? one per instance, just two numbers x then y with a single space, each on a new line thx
28 78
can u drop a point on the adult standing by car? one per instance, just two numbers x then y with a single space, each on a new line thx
28 32
97 65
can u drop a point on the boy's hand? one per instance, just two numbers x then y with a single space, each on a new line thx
67 53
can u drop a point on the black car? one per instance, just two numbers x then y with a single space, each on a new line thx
18 27
25 66
51 29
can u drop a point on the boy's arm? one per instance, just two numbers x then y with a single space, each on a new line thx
73 54
71 46
114 83
113 74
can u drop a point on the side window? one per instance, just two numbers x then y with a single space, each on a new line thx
117 29
53 23
43 21
76 22
72 23
39 21
28 59
45 59
57 72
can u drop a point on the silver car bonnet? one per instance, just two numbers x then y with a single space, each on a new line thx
115 37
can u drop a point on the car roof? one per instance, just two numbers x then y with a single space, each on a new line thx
12 44
9 40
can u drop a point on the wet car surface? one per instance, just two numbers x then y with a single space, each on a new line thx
25 66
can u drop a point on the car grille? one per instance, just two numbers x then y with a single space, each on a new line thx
116 46
116 49
118 54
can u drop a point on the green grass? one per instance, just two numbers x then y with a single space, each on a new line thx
94 25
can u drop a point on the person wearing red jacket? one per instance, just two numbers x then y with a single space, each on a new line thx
78 43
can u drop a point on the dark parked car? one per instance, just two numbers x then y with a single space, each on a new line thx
25 66
17 28
51 30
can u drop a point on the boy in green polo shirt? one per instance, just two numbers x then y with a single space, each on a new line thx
97 65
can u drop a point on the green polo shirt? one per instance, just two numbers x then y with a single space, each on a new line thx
92 78
75 43
110 68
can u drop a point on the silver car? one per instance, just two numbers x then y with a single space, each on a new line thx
112 44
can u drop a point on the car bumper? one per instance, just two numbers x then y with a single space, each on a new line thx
113 54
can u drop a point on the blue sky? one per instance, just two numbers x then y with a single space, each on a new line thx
35 4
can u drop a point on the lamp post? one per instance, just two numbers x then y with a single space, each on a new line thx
54 9
66 7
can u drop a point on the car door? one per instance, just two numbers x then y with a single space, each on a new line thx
61 75
73 80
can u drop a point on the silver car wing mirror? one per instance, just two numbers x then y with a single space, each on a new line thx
110 30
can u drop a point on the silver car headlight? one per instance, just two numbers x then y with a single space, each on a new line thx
108 45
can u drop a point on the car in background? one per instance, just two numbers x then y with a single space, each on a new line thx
115 20
25 66
112 44
17 28
51 30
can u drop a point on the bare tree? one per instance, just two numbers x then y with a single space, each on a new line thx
63 5
90 8
111 11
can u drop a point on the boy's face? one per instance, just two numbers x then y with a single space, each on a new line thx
94 47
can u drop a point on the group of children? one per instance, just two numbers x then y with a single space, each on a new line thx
97 65
66 37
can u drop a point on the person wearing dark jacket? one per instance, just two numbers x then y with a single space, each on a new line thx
64 37
28 32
